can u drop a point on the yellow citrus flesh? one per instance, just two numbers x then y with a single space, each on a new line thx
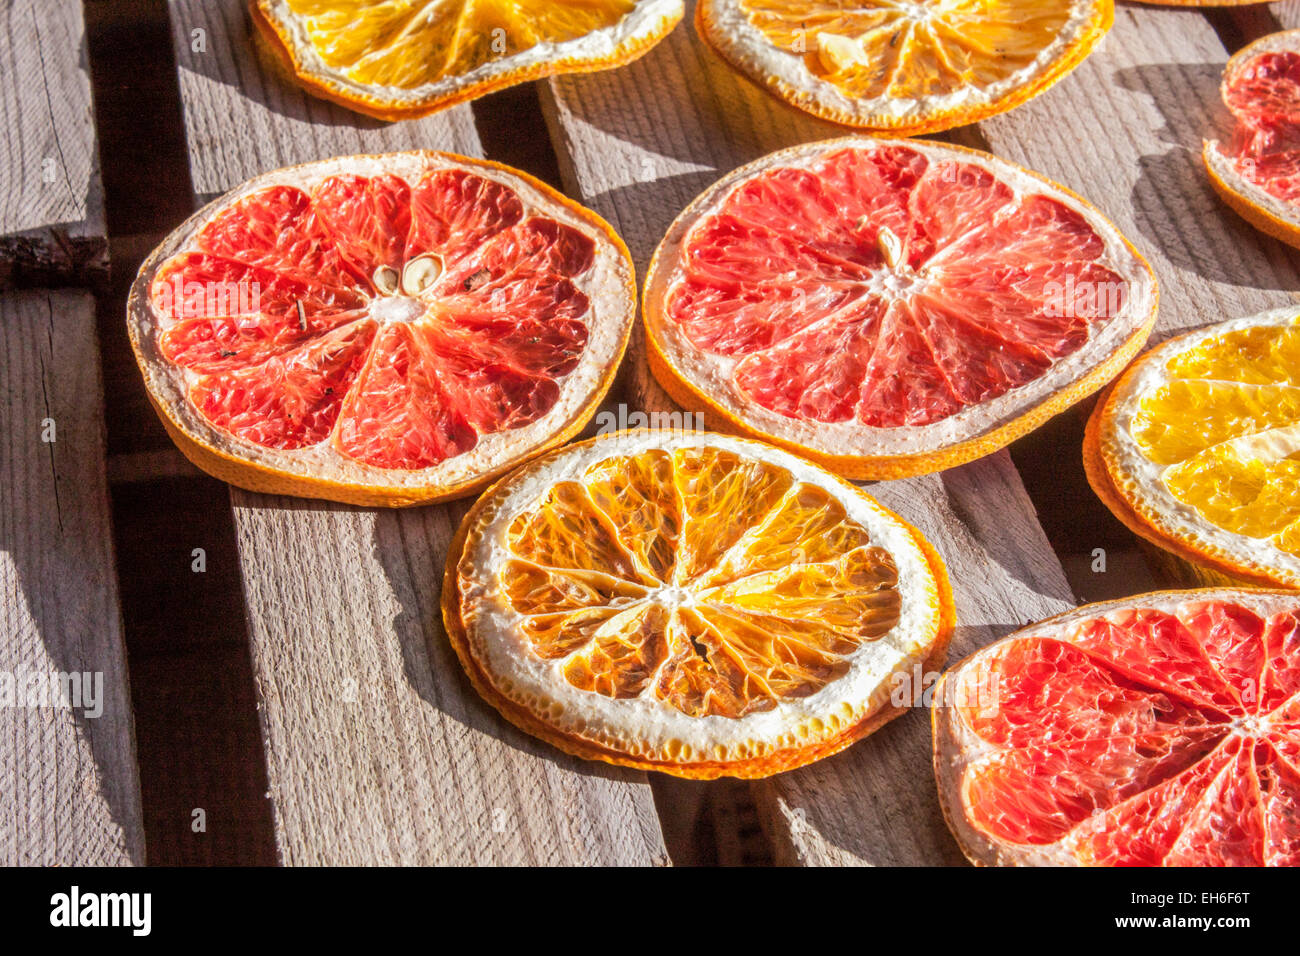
910 49
1221 426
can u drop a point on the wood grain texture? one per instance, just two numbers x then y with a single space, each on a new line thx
1139 108
637 144
243 115
378 750
51 200
1287 15
69 790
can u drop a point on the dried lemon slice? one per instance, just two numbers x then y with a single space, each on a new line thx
1197 447
692 603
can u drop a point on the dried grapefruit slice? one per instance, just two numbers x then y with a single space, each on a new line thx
691 603
381 330
1197 447
904 66
396 59
891 307
1258 171
1155 730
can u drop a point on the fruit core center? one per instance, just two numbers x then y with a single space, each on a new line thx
901 280
914 11
1249 726
671 596
396 309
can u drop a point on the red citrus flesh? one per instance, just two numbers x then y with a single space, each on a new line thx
1263 95
291 352
1146 738
785 277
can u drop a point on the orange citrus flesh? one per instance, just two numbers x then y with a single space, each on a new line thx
407 44
399 58
756 628
882 48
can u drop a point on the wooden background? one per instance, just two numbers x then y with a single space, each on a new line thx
299 691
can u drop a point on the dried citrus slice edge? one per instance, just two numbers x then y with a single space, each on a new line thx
1268 213
471 551
610 283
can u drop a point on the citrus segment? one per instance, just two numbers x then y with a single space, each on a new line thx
1198 446
400 415
291 400
1281 679
402 58
1257 170
1142 830
1128 733
277 229
922 300
611 594
1279 787
368 218
1226 828
911 67
381 315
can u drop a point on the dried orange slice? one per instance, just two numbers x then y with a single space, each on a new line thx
396 59
691 603
381 330
1159 730
1258 172
904 66
1197 447
891 307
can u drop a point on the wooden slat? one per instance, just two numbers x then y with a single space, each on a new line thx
377 749
69 791
638 144
1287 15
51 201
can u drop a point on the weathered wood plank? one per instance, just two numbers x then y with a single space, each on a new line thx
1287 15
638 144
51 201
378 750
69 790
